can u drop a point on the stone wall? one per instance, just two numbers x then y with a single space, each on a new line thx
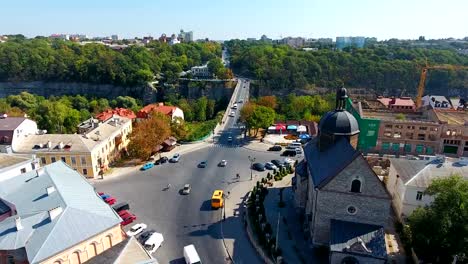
217 90
143 92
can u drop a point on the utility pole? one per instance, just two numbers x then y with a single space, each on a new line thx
277 231
252 160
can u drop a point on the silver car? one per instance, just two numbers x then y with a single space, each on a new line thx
186 189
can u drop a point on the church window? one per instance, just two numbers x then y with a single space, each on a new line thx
419 196
352 210
356 186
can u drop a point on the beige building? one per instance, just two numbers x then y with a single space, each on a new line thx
89 153
53 215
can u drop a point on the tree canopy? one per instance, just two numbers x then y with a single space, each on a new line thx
56 60
382 68
439 231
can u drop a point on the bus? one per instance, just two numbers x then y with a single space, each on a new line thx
217 200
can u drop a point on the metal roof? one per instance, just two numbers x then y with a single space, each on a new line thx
84 213
339 122
324 165
419 173
357 238
10 123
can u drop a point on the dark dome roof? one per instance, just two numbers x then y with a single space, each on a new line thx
339 122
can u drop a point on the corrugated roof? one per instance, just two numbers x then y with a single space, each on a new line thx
84 214
8 160
357 238
326 164
406 169
78 143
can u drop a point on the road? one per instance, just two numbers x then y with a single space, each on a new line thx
189 219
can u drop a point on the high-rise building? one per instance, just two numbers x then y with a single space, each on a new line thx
186 36
115 37
343 42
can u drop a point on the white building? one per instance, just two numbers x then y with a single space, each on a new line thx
186 36
13 130
115 37
174 40
408 179
201 71
12 165
436 102
60 36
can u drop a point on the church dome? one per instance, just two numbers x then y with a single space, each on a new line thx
339 122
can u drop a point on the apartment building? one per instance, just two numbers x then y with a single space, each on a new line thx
53 215
12 165
13 130
454 131
90 153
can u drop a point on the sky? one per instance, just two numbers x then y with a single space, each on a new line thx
230 19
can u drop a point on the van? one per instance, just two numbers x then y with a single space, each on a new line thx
191 255
153 242
217 200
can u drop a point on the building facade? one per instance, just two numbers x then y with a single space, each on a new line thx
13 130
90 152
173 112
343 42
336 190
48 221
12 165
408 180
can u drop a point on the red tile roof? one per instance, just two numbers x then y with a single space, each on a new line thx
159 107
124 112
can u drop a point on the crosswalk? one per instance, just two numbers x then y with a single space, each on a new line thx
220 145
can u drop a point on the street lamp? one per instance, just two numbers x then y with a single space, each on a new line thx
252 160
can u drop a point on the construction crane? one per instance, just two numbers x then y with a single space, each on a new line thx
422 79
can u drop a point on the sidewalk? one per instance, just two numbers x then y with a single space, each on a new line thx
295 249
233 231
256 145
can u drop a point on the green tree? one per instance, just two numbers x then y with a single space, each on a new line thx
200 108
439 231
210 109
261 117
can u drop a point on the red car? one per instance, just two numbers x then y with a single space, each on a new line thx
111 200
124 213
128 219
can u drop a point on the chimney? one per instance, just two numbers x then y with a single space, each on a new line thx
49 144
61 145
39 172
50 190
53 213
19 226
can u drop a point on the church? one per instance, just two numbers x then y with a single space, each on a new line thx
345 205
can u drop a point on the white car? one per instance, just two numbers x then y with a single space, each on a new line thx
186 189
136 229
232 114
153 242
288 160
234 106
175 158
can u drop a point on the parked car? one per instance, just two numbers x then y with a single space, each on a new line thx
153 242
121 206
145 235
234 106
241 101
128 219
289 153
232 114
288 161
222 163
123 213
202 164
162 160
275 148
299 151
258 167
278 163
175 158
191 255
270 166
110 200
147 166
136 229
187 188
229 139
104 196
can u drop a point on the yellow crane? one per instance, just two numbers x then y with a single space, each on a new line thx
422 79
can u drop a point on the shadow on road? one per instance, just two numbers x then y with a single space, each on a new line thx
177 261
206 206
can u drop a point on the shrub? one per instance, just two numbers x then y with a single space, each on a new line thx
274 171
258 185
277 178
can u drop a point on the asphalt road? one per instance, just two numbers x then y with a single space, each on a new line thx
188 219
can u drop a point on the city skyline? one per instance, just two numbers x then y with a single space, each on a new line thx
221 21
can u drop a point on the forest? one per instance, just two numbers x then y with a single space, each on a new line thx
383 68
41 59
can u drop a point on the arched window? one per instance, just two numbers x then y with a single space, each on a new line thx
349 260
75 258
356 186
92 250
107 242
